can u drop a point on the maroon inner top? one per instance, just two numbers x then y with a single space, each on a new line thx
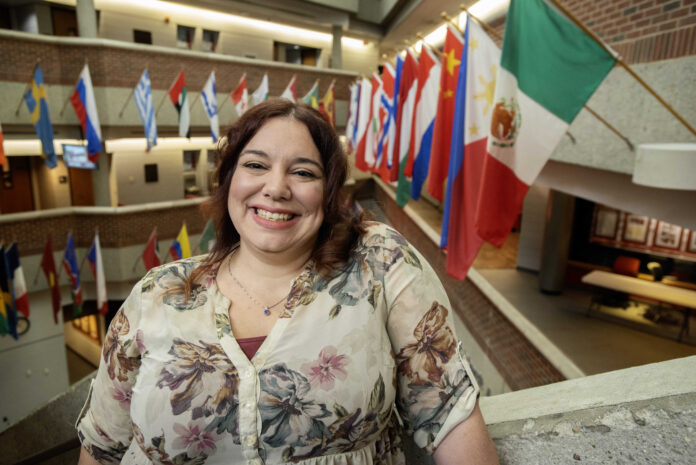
250 345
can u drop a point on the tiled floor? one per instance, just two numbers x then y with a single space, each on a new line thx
593 344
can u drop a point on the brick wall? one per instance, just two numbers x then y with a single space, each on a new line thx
639 30
115 230
121 67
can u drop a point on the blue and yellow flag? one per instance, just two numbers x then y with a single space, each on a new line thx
181 248
38 108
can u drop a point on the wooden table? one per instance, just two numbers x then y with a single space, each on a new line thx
677 296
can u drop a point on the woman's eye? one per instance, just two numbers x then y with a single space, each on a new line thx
305 174
253 165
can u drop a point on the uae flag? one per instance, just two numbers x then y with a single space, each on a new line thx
549 68
179 98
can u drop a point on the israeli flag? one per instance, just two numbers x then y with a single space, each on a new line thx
209 99
143 100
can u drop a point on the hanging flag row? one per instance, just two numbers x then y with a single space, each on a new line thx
13 285
84 104
475 128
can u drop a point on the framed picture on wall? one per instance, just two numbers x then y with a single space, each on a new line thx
636 228
691 244
668 235
606 222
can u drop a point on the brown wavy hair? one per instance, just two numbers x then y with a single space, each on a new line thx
342 226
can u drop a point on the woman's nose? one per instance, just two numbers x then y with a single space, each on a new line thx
276 186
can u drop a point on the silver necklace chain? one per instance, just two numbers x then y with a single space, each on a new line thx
266 308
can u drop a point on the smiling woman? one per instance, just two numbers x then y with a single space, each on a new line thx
308 334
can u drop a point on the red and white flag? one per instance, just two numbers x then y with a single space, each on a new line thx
364 113
96 263
240 96
290 91
151 253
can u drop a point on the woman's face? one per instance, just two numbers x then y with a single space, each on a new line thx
276 194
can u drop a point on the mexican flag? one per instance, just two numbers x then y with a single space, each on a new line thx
549 68
261 92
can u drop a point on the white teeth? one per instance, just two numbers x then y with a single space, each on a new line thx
273 216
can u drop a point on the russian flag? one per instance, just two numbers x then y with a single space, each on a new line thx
472 118
97 265
86 109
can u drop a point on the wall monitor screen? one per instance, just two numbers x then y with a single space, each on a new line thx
75 156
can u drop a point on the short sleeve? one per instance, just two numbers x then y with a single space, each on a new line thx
436 389
104 425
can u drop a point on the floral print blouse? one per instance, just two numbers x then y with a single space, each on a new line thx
350 363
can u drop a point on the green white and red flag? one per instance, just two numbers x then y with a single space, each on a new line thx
549 68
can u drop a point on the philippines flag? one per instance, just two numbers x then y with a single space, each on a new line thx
86 109
209 100
97 265
70 265
143 100
472 118
422 133
180 247
17 277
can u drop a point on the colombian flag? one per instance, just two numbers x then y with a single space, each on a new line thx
181 248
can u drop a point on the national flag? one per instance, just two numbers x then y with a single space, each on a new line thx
442 130
209 101
290 91
207 240
311 98
143 100
85 107
549 68
404 123
352 121
429 71
390 91
48 265
472 117
180 247
240 96
35 98
178 94
261 93
374 125
70 266
8 310
364 108
96 263
19 285
151 252
327 105
4 163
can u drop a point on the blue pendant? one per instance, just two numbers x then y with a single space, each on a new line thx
266 311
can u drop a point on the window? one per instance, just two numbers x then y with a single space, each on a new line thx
184 36
142 37
151 172
296 54
210 40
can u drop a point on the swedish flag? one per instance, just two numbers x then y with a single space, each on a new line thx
35 99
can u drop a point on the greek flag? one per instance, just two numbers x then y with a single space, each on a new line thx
143 100
209 99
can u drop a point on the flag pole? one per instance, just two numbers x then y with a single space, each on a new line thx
166 94
120 113
449 20
606 123
227 97
196 99
26 87
430 47
620 61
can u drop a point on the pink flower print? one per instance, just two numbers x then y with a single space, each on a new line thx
326 368
122 393
139 341
195 441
